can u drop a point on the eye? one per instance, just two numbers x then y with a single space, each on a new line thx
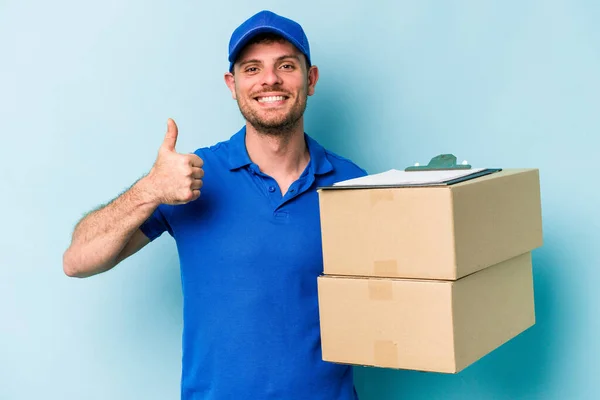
287 66
251 69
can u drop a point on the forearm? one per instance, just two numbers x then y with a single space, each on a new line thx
99 237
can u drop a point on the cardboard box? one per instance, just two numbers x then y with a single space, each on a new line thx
425 325
432 232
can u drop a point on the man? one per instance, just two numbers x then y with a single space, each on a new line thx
250 245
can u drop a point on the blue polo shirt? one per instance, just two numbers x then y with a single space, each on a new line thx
250 258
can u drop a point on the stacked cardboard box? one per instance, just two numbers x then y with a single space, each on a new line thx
428 278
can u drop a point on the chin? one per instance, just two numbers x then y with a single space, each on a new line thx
273 121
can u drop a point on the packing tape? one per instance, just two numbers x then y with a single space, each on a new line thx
386 268
385 354
380 289
378 195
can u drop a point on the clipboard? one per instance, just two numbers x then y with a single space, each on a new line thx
442 170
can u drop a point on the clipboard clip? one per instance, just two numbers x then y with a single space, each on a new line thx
439 163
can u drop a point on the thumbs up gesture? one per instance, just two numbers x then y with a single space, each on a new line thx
175 178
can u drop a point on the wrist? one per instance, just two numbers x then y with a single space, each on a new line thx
145 189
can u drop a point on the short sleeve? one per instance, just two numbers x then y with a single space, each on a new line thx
157 223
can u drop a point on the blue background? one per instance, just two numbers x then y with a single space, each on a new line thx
85 91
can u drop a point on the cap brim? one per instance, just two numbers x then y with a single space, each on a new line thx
247 38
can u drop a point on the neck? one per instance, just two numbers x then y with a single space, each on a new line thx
281 154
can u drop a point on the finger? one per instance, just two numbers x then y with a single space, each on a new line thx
195 161
196 184
171 135
196 194
197 173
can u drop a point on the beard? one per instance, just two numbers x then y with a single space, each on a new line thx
273 122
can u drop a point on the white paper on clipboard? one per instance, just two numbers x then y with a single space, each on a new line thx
394 177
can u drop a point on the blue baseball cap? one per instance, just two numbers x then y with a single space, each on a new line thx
267 22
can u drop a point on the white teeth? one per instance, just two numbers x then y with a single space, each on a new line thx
270 99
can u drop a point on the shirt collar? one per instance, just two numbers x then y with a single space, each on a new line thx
319 164
238 155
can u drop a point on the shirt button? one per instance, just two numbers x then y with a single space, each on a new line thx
293 190
271 189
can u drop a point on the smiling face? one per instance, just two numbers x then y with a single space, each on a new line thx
271 83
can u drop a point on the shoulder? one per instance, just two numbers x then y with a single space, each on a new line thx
233 147
332 164
344 167
217 149
218 156
339 161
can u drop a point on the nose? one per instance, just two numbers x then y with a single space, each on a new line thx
271 77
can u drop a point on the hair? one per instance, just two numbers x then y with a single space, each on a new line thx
270 37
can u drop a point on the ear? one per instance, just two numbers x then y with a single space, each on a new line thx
313 77
230 82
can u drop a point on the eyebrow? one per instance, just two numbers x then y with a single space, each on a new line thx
283 57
